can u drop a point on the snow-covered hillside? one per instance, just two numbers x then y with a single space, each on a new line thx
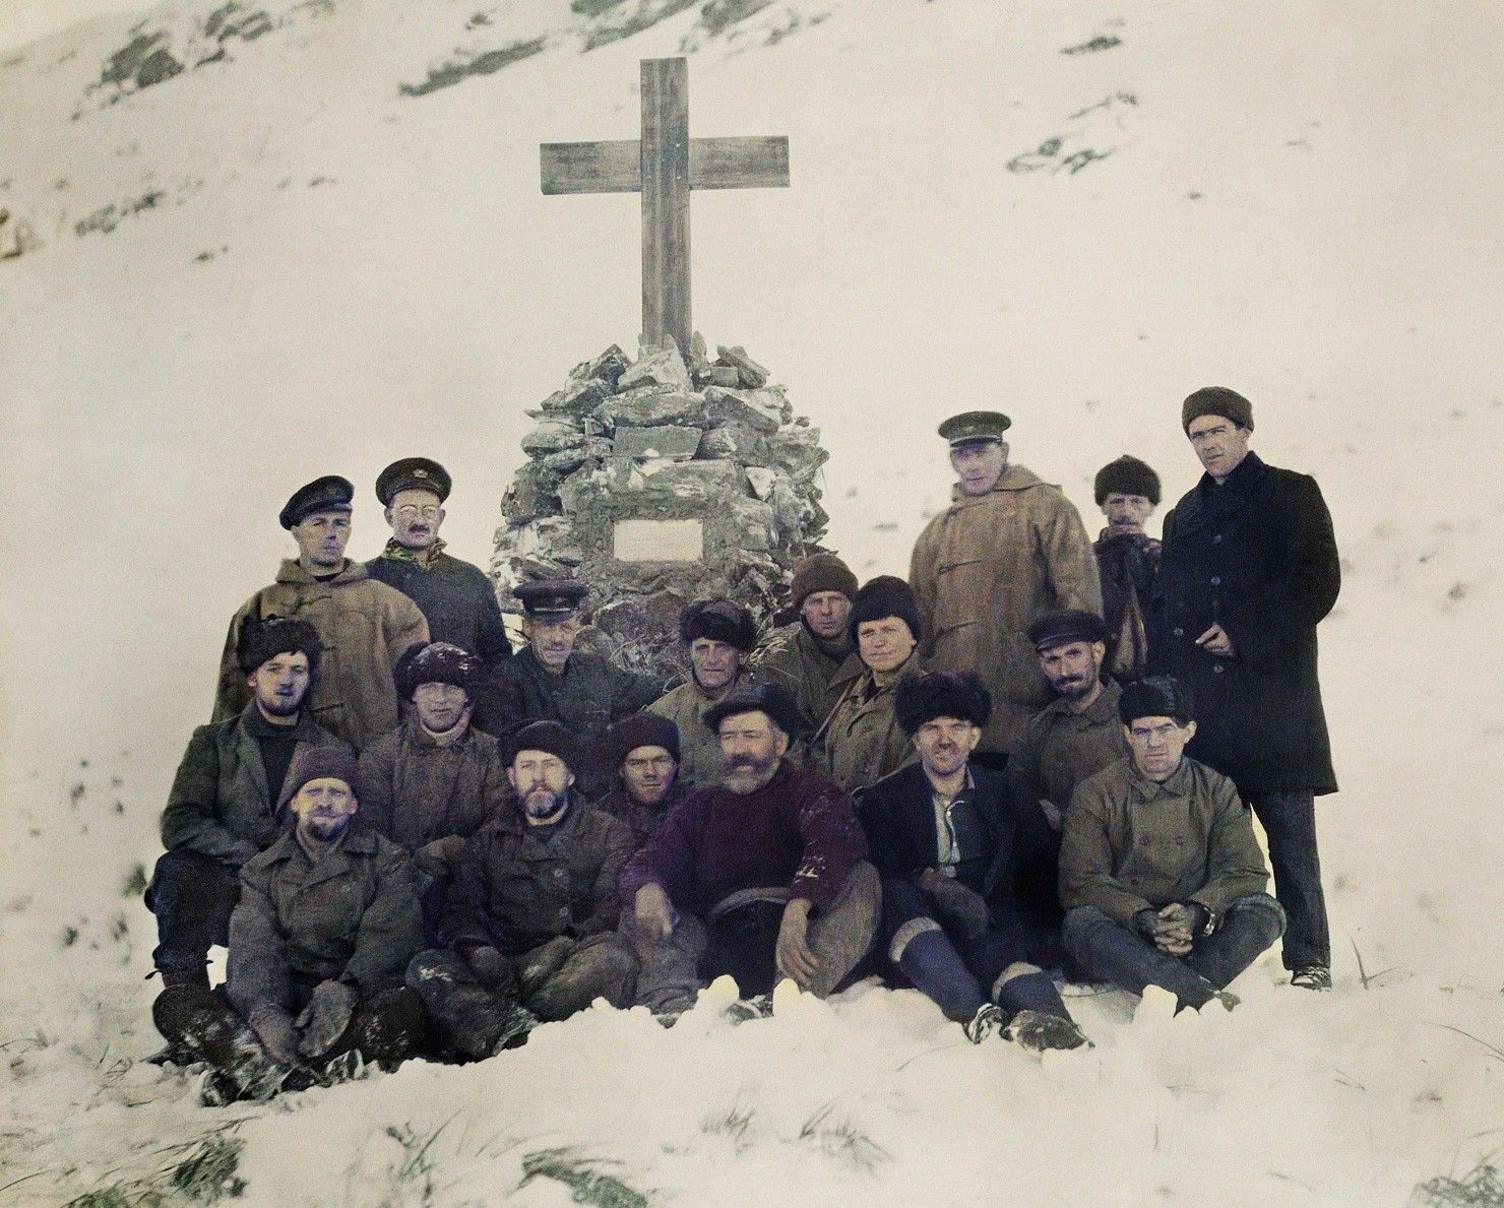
266 241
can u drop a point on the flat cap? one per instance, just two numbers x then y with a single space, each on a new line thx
1067 625
412 473
330 493
547 736
1155 696
551 597
972 426
773 699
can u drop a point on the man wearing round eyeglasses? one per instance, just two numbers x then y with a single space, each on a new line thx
455 597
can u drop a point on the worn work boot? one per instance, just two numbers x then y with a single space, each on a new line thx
1035 1031
197 1020
988 1021
515 1026
744 1009
1312 977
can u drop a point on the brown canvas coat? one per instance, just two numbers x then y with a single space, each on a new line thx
792 657
986 567
365 626
861 741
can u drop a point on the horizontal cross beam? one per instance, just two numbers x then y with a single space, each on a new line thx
714 163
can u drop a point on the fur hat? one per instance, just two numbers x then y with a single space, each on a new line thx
885 596
435 663
922 698
719 620
1127 476
264 639
1216 400
315 763
641 730
547 736
773 699
1155 696
1067 625
820 572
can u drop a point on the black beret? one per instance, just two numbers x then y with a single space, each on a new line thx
721 621
412 473
885 596
773 699
315 763
264 639
922 698
328 494
1155 696
1216 400
550 597
1127 476
641 730
1067 625
435 663
972 426
547 736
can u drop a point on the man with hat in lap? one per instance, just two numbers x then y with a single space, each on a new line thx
644 750
1127 491
952 848
365 626
1008 548
457 598
807 656
720 634
222 807
1160 873
761 876
530 932
861 741
327 922
551 681
435 780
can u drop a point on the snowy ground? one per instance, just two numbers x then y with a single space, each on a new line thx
1297 201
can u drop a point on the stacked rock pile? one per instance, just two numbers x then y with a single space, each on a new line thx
660 481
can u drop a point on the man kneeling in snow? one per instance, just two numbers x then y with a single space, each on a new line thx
327 921
531 922
758 877
951 843
1160 873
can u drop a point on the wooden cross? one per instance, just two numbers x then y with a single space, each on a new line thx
664 165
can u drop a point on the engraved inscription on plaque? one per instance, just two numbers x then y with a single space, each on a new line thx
658 541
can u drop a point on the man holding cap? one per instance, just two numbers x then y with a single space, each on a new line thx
222 807
435 780
762 876
1160 873
530 932
1127 491
1249 568
551 681
1009 548
644 750
456 598
807 656
719 634
327 922
365 626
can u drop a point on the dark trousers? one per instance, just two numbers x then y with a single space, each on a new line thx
192 896
1289 819
1112 953
960 974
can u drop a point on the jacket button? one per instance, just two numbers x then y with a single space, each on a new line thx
1217 668
1143 841
1179 632
1216 580
1217 540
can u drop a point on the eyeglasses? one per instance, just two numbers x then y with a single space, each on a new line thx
411 511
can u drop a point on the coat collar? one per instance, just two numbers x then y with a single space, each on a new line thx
1103 709
286 851
1208 502
305 729
1013 478
292 572
1178 784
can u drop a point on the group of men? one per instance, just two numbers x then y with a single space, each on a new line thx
1033 756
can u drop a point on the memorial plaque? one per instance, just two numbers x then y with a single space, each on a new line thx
658 541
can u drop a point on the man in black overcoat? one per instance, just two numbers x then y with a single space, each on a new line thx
1249 568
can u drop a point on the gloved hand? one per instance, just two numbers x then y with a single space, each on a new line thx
538 965
493 971
956 904
324 1020
437 858
273 1025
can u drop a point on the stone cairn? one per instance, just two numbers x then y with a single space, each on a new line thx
706 453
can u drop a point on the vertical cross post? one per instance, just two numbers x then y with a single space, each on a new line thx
665 200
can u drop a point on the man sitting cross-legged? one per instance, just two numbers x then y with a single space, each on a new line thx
531 924
951 845
760 876
1160 873
327 921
